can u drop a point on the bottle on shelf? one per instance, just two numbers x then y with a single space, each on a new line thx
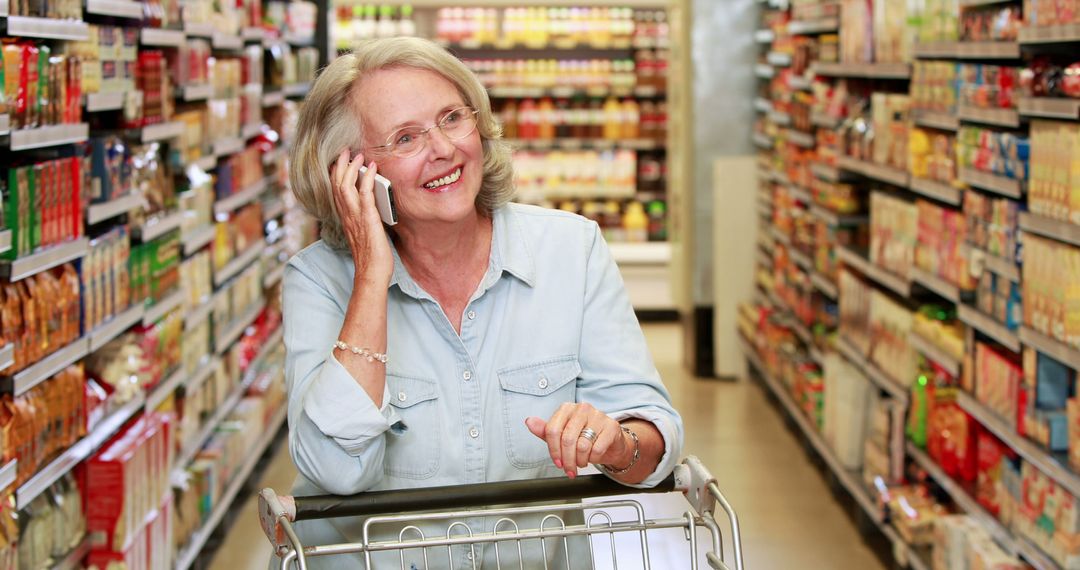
613 119
635 223
631 128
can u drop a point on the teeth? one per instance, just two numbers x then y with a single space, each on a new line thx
448 179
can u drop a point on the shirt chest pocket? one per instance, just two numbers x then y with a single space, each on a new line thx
413 445
534 390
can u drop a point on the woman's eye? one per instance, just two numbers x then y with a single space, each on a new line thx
404 139
453 117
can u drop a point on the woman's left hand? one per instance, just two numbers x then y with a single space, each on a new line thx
570 449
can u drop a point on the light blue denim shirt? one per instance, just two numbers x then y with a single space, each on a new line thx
550 322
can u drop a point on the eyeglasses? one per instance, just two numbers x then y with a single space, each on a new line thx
456 124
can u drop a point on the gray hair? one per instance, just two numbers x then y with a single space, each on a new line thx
328 123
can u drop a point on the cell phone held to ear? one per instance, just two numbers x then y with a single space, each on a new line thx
384 199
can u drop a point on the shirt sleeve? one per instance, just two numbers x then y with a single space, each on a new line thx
618 374
335 430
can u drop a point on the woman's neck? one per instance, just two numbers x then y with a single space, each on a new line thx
432 250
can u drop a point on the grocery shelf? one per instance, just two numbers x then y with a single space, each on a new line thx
799 138
297 40
73 559
825 285
5 124
195 316
800 82
939 191
998 265
76 454
1050 108
162 131
271 156
799 193
5 240
8 473
227 41
1065 33
1008 187
1067 355
764 36
988 50
226 146
574 143
116 326
826 172
253 34
761 140
238 263
273 277
252 130
824 121
242 198
236 328
200 92
873 170
801 259
988 326
97 213
273 98
202 373
52 135
198 238
164 389
763 105
997 117
850 479
867 70
296 90
155 312
47 28
161 38
969 3
834 219
1049 227
205 163
872 372
779 236
190 448
808 27
115 8
158 226
778 59
764 210
199 29
22 382
779 118
1046 462
933 352
936 50
764 71
273 209
186 557
899 285
936 120
509 92
7 357
936 284
27 265
645 253
97 102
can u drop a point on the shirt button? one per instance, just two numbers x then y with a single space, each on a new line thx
543 383
401 396
472 315
474 433
467 375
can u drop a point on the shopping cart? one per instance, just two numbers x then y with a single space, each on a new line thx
452 504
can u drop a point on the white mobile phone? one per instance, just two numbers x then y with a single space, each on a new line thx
384 198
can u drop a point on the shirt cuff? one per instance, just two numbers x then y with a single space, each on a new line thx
342 410
670 457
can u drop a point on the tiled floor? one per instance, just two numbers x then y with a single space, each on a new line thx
788 516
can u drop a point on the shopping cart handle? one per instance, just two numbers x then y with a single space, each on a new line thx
466 496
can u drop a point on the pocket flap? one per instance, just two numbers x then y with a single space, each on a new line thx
406 391
541 378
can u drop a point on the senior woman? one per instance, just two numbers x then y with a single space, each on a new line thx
474 341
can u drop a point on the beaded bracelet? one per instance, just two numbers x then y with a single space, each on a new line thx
633 461
370 355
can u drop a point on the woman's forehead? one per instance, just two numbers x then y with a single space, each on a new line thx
390 98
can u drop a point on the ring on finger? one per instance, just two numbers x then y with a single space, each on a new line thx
588 433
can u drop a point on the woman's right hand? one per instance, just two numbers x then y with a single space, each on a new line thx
354 198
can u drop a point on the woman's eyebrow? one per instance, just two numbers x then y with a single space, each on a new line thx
439 115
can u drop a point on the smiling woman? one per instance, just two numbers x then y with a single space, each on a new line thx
474 341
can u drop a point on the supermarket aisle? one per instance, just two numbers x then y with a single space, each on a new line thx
788 515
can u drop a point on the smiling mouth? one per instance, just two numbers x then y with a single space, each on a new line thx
445 180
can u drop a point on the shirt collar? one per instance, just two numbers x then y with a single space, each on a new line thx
509 252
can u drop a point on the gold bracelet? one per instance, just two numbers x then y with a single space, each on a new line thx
370 355
633 461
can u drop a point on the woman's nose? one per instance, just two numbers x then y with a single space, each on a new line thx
441 145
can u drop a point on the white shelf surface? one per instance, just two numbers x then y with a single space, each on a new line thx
764 36
155 312
762 104
206 163
937 190
762 140
876 171
801 259
227 41
1068 355
807 27
227 146
764 71
826 172
53 135
936 120
187 556
823 284
47 28
248 131
76 454
1000 265
196 316
198 238
824 121
116 326
59 254
21 382
834 219
800 139
116 8
1051 228
872 372
192 447
646 253
5 240
1050 108
274 276
236 328
159 226
778 59
800 82
296 90
238 264
1008 187
199 92
96 102
241 198
1027 449
199 29
253 34
202 373
983 323
273 98
998 117
941 287
5 124
933 352
868 70
1065 33
164 389
161 38
162 131
8 473
97 213
779 118
273 209
7 357
899 285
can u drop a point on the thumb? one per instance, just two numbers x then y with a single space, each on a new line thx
536 425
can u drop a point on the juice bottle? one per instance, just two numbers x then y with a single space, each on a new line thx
631 119
595 120
613 222
406 26
527 120
635 222
612 119
545 119
657 211
509 117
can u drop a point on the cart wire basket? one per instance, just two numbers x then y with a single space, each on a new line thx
449 505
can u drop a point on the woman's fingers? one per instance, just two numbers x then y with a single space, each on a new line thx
571 437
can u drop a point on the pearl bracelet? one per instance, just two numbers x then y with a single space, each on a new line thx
369 354
633 461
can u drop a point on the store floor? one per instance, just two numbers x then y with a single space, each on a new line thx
788 515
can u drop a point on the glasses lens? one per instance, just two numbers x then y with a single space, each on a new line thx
407 142
458 123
